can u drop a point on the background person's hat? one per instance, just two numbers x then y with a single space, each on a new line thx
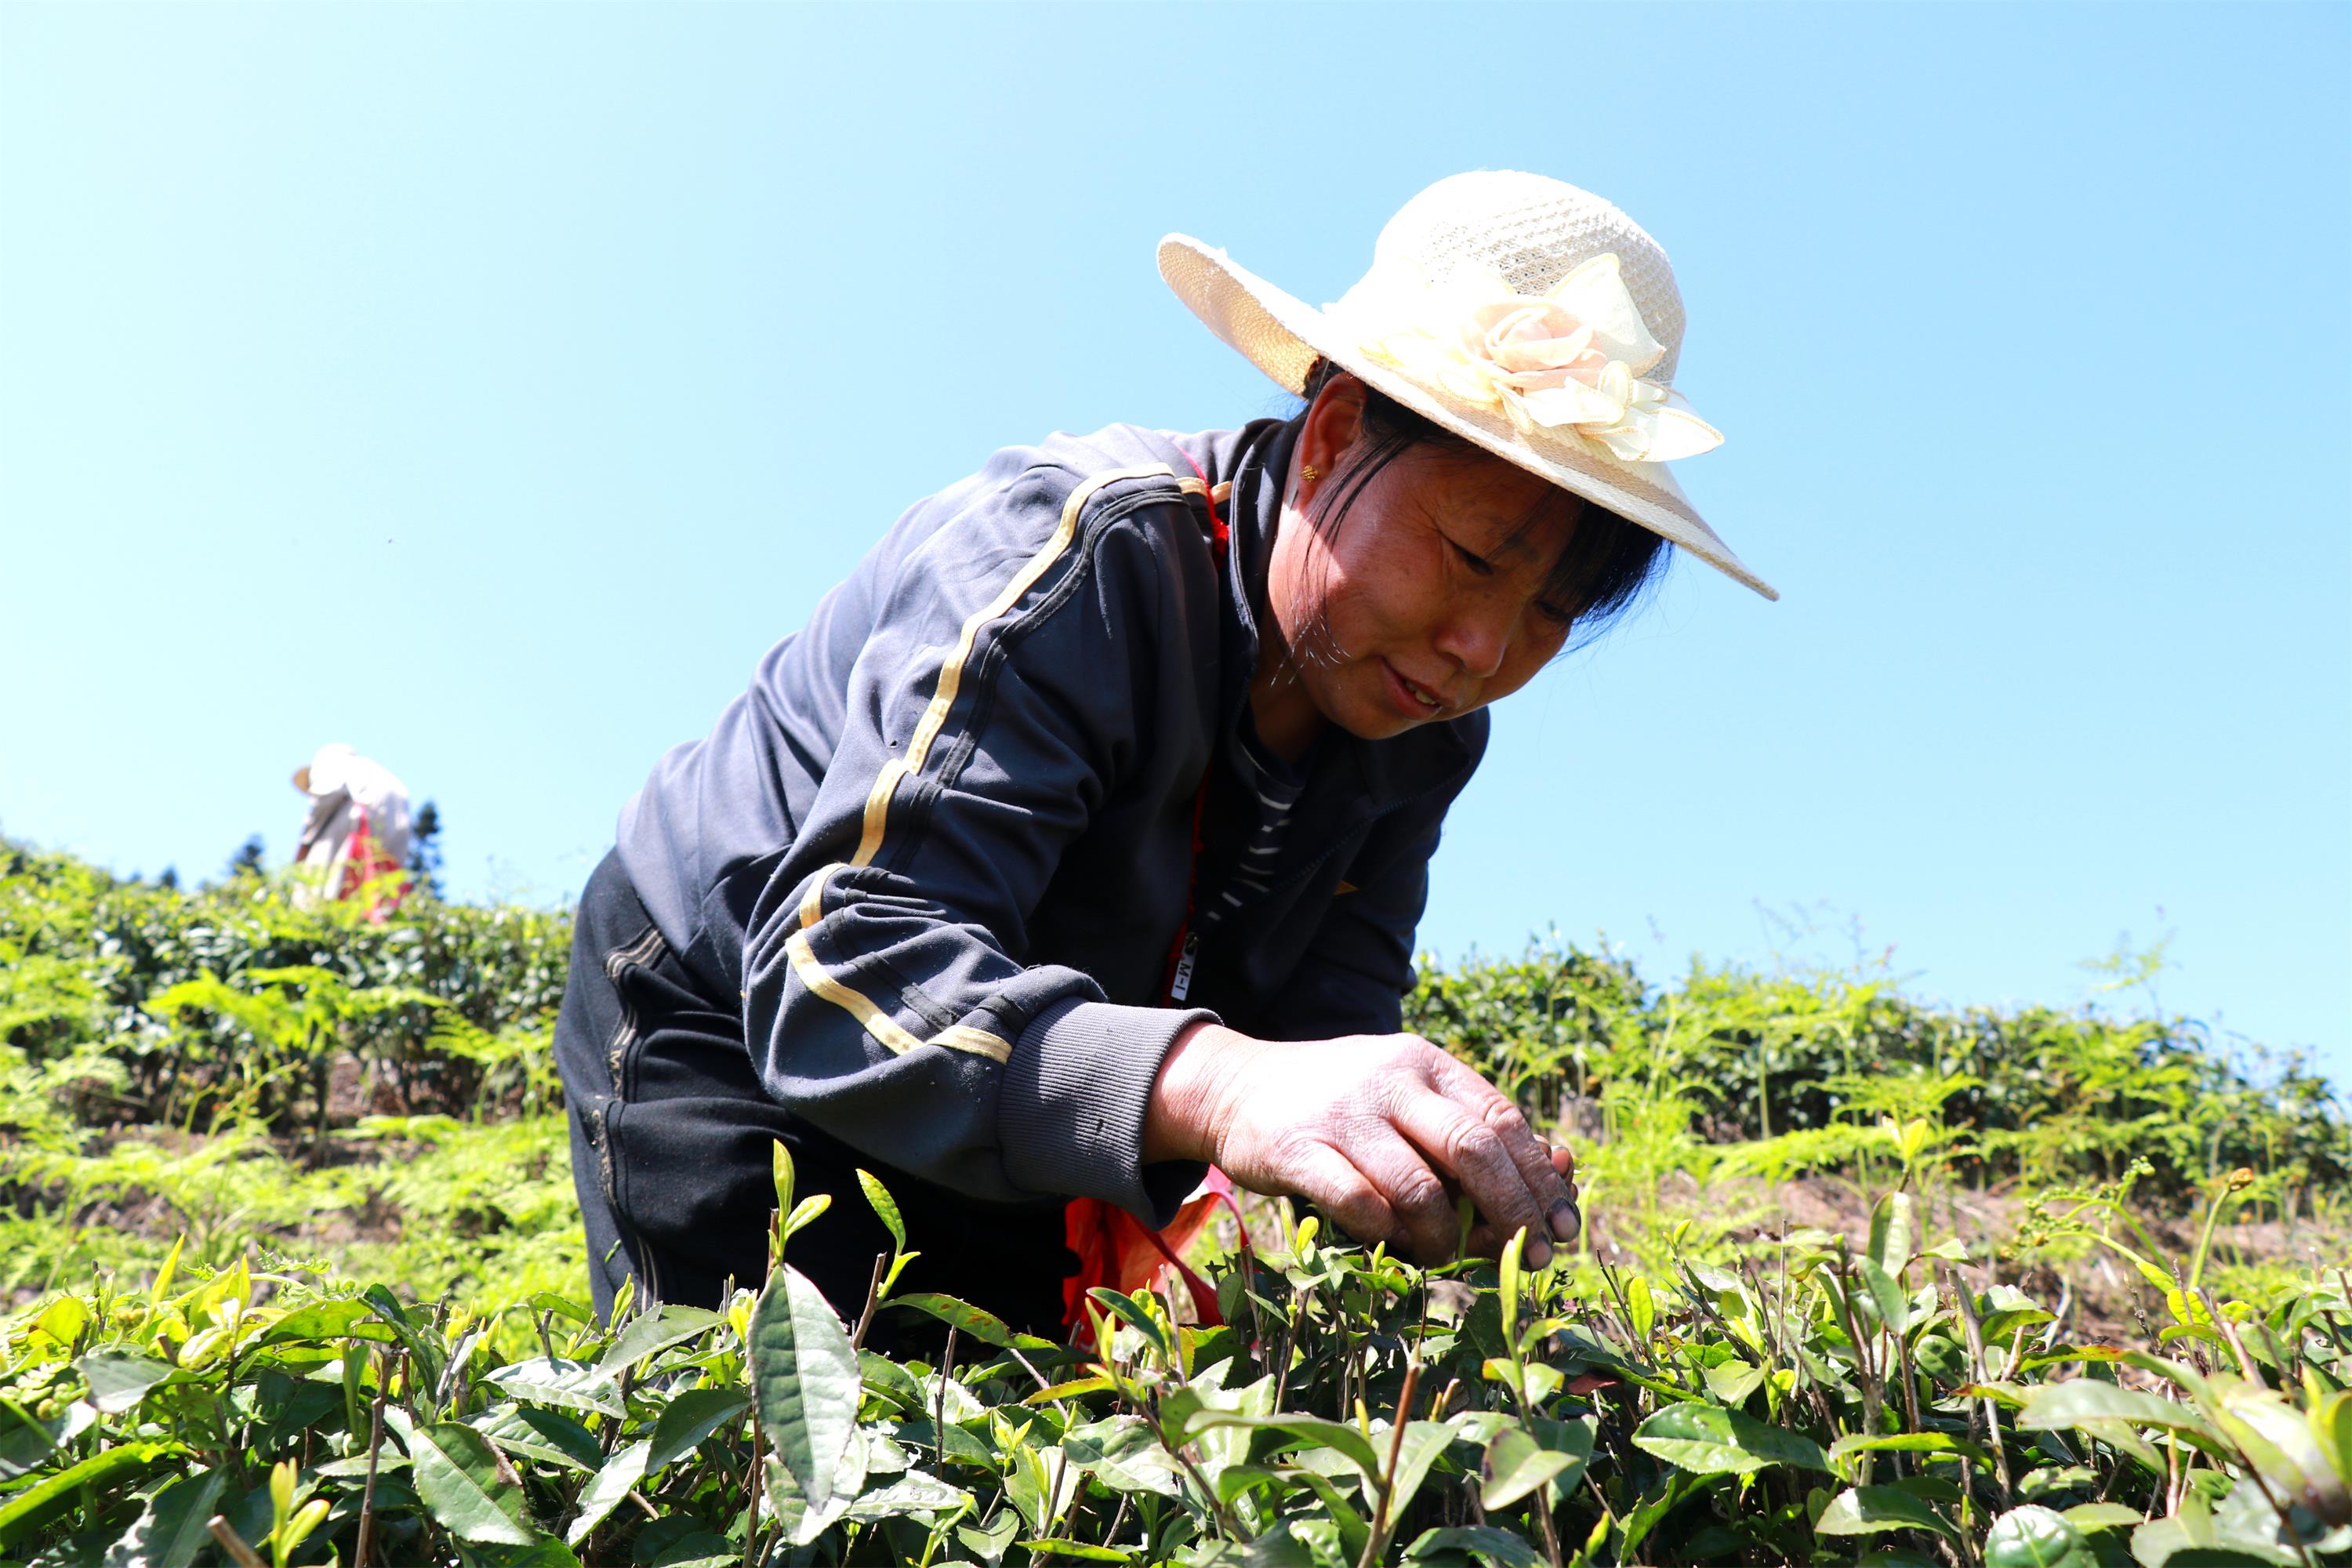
1531 317
328 770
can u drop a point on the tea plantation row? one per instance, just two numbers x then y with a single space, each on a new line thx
286 1211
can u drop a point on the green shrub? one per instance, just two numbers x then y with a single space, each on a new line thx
252 1106
1811 1405
1819 1058
203 996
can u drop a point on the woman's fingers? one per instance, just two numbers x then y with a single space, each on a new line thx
1529 1153
1486 1241
1477 1156
1563 1162
1331 1181
1425 1210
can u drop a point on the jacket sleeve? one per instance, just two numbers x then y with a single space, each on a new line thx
1015 660
1360 962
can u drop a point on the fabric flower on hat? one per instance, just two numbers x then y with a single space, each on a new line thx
1568 360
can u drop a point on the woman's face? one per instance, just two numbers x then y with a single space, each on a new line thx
1428 603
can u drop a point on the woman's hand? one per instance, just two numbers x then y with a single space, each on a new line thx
1380 1131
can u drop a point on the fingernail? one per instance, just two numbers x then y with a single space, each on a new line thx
1566 1222
1537 1254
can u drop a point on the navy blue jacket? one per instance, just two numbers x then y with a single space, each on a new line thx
941 849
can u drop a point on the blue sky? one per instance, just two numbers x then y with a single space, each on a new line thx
488 386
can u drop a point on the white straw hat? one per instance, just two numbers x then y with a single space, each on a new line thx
1527 315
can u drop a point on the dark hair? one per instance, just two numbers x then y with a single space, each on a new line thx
1607 566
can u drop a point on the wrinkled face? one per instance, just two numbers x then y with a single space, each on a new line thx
1429 602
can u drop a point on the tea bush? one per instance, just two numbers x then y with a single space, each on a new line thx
2040 1093
235 993
254 1109
1811 1405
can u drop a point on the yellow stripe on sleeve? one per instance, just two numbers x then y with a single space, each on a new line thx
935 716
875 821
878 1023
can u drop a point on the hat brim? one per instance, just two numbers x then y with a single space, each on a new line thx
1284 337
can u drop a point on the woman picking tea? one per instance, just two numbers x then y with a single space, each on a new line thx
1077 843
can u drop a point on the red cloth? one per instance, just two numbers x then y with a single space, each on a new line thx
1119 1252
364 860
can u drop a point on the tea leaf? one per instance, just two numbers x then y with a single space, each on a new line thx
2036 1537
972 1322
1891 1303
885 1208
574 1385
689 1419
1892 1228
780 1164
1516 1466
1507 1288
991 1541
807 1213
2056 1406
63 1320
1337 1436
120 1380
913 1492
325 1320
650 1333
1532 1382
1121 1453
460 1479
541 1434
607 1488
1424 1441
807 1380
1734 1380
562 1306
891 1382
169 1532
1866 1511
425 1355
164 1270
1708 1440
1654 1508
1075 1388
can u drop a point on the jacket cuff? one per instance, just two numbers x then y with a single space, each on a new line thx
1069 1114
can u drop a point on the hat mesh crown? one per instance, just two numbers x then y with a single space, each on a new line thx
1534 230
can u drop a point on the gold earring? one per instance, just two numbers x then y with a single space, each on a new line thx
1306 473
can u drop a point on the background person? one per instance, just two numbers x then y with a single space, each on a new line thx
358 831
1078 839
